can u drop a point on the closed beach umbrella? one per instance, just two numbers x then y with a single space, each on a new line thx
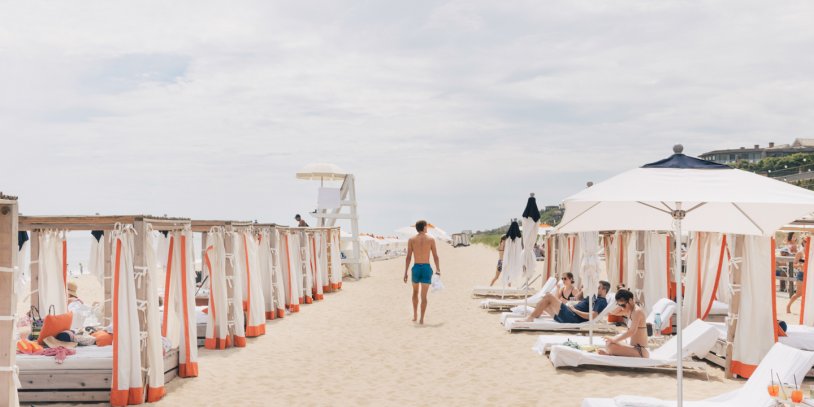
531 215
685 192
512 255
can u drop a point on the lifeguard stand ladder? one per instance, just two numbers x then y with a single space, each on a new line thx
327 217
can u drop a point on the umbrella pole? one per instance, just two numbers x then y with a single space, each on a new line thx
678 216
590 322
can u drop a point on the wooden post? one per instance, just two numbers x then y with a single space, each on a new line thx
735 304
35 268
140 269
107 279
230 288
8 299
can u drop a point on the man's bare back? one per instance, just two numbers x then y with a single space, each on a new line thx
421 246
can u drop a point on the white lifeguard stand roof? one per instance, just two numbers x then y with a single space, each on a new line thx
321 172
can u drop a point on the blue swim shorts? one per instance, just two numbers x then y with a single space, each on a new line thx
422 273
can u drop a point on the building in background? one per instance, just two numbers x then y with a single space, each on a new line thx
757 153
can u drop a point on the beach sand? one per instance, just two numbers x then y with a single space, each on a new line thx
359 347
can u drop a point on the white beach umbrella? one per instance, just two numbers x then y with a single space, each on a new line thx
512 255
686 192
531 215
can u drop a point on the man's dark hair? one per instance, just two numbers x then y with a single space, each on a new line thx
624 294
297 216
605 285
421 225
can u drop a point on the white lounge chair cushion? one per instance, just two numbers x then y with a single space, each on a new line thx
781 360
513 321
666 308
545 342
549 286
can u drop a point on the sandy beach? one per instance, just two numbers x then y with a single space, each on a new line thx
359 347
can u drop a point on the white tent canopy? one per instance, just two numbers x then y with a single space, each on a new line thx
685 192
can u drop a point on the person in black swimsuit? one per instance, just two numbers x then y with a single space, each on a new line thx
636 333
568 292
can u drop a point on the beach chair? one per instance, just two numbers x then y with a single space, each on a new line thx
699 337
782 361
512 292
666 308
550 286
514 322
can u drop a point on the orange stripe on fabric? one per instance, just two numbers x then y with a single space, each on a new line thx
240 341
117 397
774 292
248 285
314 264
65 263
805 281
288 267
185 369
135 395
155 394
167 288
700 276
742 369
717 277
212 307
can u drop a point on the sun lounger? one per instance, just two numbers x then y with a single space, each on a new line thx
84 377
718 312
699 337
510 292
781 360
665 307
500 304
514 322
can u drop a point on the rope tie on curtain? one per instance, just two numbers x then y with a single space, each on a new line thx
139 275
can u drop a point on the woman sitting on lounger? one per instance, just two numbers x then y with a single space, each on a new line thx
636 331
568 292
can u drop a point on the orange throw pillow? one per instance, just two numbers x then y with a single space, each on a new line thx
778 330
54 324
615 319
102 338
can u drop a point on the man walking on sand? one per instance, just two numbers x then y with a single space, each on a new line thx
421 245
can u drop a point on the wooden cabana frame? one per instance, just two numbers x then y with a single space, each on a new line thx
92 385
8 298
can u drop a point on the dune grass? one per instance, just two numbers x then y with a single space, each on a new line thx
490 239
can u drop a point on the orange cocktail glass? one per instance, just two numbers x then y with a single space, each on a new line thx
797 396
774 390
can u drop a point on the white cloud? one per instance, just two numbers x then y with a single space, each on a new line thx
453 111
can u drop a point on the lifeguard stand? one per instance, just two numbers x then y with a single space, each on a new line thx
329 208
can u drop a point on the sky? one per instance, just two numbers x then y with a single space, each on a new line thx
451 111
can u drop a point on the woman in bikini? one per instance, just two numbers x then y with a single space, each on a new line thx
568 292
500 248
636 331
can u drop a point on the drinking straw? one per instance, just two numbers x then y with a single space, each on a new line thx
795 382
785 396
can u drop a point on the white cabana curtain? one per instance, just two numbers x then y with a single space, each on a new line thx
336 260
126 385
630 276
807 301
589 262
293 271
214 261
575 259
266 271
612 259
253 304
657 266
307 270
314 247
155 349
51 280
237 281
529 238
277 272
179 302
754 334
322 260
563 261
706 261
96 261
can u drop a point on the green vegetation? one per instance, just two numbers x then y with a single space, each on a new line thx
490 239
779 167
